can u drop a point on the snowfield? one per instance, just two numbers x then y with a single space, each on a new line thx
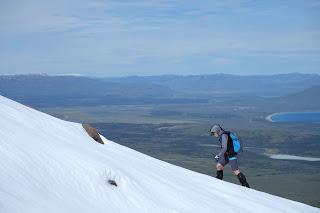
51 165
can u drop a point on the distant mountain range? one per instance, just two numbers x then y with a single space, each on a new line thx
223 84
44 90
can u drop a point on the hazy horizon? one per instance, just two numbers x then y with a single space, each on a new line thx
155 75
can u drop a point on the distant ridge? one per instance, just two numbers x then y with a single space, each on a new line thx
264 85
308 98
42 90
305 100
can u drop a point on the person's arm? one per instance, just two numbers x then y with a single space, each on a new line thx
224 144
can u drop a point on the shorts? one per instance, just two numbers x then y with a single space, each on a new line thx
233 162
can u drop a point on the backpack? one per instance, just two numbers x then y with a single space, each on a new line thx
234 144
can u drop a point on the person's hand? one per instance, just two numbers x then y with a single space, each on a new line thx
217 158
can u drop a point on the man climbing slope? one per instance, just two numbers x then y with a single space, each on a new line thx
227 154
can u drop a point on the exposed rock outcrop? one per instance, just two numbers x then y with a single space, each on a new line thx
93 133
113 182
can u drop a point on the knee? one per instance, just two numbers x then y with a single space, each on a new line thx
219 166
236 172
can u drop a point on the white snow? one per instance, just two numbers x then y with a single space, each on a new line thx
50 165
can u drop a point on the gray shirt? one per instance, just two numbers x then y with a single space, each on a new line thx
224 143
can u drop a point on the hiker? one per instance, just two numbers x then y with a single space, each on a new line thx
227 154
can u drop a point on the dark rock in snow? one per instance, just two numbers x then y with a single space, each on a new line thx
93 133
112 182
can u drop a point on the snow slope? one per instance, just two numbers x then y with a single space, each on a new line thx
50 165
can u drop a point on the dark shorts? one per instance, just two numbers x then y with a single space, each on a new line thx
233 162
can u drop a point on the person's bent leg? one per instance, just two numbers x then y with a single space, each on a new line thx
238 173
219 166
219 171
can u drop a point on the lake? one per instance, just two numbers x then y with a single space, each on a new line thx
301 117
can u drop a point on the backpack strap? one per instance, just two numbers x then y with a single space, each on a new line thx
230 150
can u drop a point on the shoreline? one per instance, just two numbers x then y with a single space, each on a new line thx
269 117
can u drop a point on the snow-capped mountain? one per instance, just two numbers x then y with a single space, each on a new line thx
51 165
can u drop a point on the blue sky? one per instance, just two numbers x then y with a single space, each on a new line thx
153 37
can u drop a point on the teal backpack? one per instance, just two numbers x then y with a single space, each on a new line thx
234 144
